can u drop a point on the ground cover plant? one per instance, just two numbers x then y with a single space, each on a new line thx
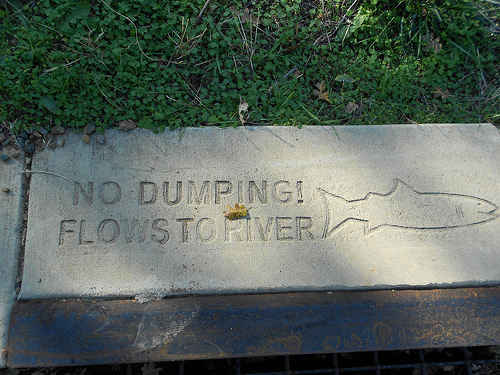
170 64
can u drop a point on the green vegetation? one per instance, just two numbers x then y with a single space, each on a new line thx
288 62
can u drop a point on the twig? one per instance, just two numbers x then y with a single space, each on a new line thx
45 172
338 26
136 30
54 68
202 11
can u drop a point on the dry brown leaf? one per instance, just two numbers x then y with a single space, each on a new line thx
242 108
351 107
245 15
440 93
432 43
321 92
236 212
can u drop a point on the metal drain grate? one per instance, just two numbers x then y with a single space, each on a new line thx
450 361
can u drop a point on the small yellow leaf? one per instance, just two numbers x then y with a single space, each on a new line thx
321 92
236 212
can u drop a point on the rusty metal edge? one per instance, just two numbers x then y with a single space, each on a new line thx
85 332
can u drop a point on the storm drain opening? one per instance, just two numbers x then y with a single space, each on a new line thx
484 360
451 361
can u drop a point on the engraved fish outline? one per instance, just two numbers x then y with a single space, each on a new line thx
391 209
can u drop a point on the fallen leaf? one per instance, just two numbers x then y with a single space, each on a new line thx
242 108
432 43
50 104
351 107
321 92
236 212
344 78
245 15
440 93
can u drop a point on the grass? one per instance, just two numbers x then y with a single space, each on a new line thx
166 64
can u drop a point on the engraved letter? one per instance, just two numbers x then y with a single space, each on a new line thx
304 224
81 236
284 196
222 192
300 199
157 227
110 192
253 188
178 196
135 227
185 229
88 195
249 230
281 228
233 226
64 230
111 237
153 194
264 233
240 192
204 195
206 236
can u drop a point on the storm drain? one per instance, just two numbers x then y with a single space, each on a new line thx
450 361
454 361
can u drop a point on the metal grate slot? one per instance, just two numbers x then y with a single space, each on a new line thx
449 361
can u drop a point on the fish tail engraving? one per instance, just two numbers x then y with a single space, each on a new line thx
338 211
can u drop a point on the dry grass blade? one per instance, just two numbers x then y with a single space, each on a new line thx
135 27
328 35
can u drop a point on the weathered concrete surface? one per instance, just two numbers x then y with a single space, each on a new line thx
11 206
380 206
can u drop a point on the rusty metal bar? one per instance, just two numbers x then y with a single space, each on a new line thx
83 332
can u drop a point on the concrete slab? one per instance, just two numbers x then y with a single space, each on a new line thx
376 207
11 203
